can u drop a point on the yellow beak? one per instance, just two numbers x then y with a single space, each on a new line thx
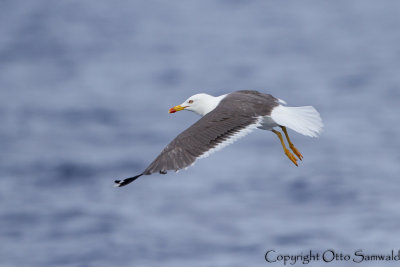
176 108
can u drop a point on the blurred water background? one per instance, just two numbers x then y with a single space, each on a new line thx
85 87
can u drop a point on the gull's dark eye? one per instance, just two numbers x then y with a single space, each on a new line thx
190 101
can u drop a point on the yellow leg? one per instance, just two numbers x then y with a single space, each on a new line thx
287 152
292 147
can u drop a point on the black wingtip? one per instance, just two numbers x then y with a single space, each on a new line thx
119 183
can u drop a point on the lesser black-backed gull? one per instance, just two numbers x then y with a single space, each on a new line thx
225 119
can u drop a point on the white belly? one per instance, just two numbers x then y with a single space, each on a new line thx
267 123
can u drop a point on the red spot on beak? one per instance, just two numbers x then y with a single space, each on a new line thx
176 108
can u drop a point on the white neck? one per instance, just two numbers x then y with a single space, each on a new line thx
212 103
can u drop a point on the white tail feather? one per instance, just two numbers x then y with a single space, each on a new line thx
305 120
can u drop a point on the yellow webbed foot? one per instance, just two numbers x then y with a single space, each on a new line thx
291 156
287 152
292 147
295 151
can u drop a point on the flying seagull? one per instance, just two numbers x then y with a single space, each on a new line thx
225 119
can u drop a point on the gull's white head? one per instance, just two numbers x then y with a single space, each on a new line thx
199 103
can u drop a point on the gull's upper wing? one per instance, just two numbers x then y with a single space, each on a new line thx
238 114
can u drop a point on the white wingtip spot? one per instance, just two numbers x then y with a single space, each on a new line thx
117 184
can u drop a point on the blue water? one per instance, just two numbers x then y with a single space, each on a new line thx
84 91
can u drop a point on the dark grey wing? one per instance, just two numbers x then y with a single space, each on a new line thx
236 112
206 134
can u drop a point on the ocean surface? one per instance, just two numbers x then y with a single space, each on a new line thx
85 87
